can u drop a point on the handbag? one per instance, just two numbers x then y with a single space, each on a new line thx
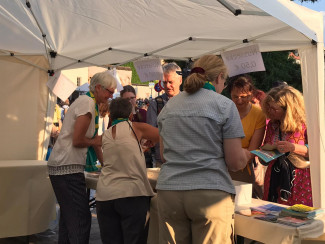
259 172
298 161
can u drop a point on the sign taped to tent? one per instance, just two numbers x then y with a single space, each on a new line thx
243 60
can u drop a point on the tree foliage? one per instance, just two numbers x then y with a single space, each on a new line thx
135 78
278 67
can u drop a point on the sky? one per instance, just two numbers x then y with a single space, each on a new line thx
318 6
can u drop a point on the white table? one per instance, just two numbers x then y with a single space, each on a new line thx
27 204
259 230
273 233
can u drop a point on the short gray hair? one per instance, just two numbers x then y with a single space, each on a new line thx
170 67
105 79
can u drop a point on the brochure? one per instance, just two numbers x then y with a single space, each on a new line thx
309 215
269 209
293 221
268 217
267 155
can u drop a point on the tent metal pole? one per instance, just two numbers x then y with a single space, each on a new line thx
45 41
171 45
237 12
241 42
25 61
124 51
244 12
96 54
158 50
40 28
48 122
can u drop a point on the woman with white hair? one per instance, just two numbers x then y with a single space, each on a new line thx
67 161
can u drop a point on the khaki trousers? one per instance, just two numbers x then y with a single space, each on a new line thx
195 216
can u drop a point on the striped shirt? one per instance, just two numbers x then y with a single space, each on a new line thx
193 128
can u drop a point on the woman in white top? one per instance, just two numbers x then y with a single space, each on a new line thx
123 191
67 161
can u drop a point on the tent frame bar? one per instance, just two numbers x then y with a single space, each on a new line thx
244 41
237 12
6 53
47 45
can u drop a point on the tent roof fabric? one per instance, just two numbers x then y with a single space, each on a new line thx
101 32
78 33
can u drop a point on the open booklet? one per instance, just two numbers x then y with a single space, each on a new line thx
267 153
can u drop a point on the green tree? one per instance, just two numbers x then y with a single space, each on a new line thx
278 66
135 78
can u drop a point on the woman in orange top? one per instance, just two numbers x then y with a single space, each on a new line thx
253 120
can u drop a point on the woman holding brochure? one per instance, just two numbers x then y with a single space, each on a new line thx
287 132
253 120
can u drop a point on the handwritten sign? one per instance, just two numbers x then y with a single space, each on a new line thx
119 86
149 69
61 86
243 60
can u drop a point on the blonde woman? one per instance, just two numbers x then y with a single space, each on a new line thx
287 130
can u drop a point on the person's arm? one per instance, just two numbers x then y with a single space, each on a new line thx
146 131
285 146
161 150
152 113
235 156
256 140
79 134
99 154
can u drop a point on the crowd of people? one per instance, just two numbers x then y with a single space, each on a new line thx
199 138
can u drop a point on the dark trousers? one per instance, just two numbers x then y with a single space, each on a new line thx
75 217
123 220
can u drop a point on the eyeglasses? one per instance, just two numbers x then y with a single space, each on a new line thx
274 109
226 83
240 97
110 92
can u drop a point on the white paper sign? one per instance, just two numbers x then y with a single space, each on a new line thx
114 72
149 69
243 60
61 86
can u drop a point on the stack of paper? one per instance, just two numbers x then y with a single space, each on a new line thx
300 213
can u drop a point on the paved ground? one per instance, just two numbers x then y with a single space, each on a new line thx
51 236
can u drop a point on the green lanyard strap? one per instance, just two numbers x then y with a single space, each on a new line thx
91 154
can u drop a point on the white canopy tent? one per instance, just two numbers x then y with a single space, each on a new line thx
41 36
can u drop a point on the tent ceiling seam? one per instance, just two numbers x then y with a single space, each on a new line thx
141 55
237 11
25 61
47 45
247 40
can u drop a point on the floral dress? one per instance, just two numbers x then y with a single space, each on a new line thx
301 192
